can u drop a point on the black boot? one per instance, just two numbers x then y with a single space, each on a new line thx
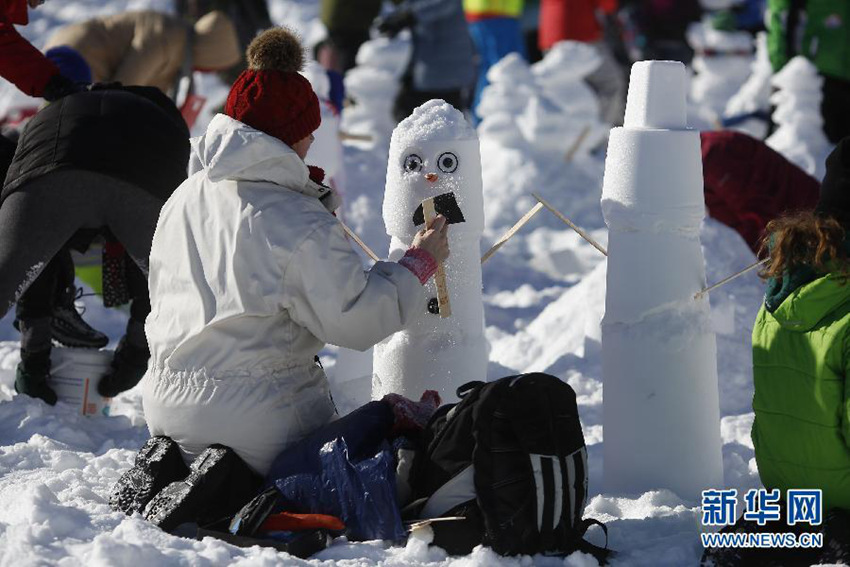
32 374
187 500
128 367
158 464
68 326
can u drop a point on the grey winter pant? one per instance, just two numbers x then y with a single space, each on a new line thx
39 218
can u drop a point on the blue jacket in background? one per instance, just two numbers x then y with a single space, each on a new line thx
442 47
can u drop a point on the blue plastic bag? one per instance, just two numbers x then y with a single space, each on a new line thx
362 495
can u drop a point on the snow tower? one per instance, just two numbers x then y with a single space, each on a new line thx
661 410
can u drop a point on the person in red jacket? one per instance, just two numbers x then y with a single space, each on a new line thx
22 64
748 184
582 20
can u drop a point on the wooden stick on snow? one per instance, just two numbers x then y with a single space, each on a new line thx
576 145
348 136
440 276
569 223
725 281
513 230
362 244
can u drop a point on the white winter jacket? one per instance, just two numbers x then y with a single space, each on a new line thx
250 276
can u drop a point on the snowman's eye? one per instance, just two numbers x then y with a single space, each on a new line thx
412 163
447 162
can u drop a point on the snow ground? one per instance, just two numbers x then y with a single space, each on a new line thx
544 297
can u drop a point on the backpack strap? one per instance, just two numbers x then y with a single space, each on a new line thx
465 389
602 554
459 490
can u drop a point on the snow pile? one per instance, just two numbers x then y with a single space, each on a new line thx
799 134
539 126
753 96
547 105
658 348
373 85
436 120
722 64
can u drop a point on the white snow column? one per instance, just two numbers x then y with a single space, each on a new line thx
436 353
754 94
799 124
373 85
661 408
722 64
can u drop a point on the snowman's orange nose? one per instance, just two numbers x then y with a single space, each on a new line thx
432 177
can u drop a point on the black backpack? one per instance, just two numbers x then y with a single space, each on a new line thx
510 458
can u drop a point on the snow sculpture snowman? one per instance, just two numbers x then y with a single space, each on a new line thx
434 153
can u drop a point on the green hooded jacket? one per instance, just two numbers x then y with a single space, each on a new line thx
816 29
801 358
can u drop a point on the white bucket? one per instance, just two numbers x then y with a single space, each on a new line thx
74 375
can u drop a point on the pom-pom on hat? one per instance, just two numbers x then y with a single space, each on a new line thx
271 95
835 189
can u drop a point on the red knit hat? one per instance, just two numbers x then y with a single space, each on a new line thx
271 95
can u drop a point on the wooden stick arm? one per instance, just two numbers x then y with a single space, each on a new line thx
513 230
569 223
362 244
725 281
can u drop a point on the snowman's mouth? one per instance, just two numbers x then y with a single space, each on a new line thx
445 205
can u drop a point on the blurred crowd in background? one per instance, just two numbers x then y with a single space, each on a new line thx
454 43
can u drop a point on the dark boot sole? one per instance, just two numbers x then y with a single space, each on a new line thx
158 464
183 501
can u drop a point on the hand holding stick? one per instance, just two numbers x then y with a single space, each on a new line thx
440 276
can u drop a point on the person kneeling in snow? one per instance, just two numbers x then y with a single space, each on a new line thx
251 274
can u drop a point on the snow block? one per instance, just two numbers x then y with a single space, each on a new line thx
661 410
657 96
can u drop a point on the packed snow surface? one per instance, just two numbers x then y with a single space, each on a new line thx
543 299
436 120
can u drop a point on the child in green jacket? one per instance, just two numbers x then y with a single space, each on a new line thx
801 346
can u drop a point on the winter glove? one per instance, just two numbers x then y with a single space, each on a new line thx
412 416
317 174
393 23
59 86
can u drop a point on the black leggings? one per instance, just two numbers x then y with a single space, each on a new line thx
39 218
48 288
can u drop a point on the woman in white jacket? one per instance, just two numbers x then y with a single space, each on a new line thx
251 274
